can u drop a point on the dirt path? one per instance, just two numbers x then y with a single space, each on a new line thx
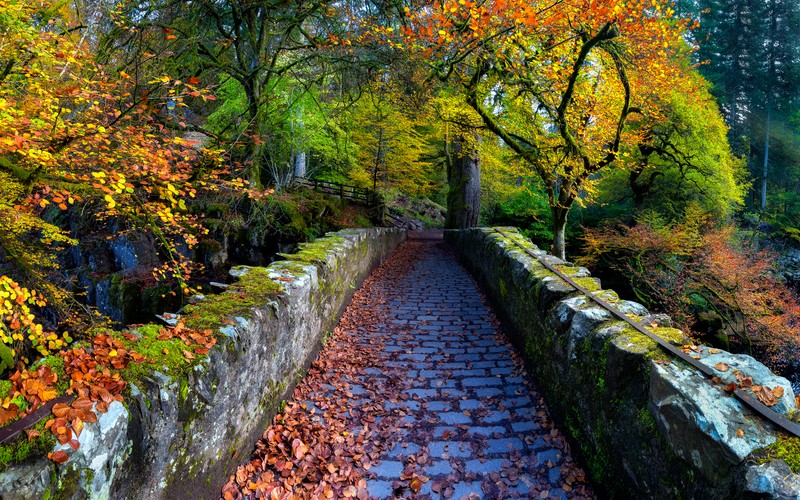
416 395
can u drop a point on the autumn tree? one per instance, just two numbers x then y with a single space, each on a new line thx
558 82
72 134
683 159
712 283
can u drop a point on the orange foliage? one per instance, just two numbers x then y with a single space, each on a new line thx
706 280
73 134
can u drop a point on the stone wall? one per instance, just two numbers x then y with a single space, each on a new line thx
646 425
181 433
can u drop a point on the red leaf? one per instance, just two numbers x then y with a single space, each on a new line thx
58 457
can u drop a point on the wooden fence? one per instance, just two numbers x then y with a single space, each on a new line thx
365 196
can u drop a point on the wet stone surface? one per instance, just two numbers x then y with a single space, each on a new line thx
477 424
439 400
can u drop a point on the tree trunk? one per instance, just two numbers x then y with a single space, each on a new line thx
300 164
559 230
766 159
464 181
253 93
773 28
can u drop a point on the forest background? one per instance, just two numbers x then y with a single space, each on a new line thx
144 145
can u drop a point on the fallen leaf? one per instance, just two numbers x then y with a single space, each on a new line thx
58 457
723 367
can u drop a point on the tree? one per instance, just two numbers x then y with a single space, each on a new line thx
558 82
749 50
707 280
684 159
463 180
393 151
71 133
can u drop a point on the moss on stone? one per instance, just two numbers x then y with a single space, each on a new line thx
165 356
588 283
316 252
647 421
786 449
5 388
56 364
253 289
20 449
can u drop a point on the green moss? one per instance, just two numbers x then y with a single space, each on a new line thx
253 289
5 388
20 449
165 356
315 252
588 283
184 389
290 267
56 363
647 421
786 449
503 288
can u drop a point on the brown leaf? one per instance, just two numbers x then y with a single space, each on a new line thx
739 433
723 367
777 392
32 434
416 484
58 457
8 414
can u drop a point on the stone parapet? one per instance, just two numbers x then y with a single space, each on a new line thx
646 425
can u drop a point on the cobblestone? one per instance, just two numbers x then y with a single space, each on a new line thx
468 417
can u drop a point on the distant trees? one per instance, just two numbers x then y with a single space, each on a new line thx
750 52
558 83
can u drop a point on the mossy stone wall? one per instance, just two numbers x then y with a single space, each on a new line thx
596 372
186 426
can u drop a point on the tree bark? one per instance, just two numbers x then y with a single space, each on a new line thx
559 230
464 181
300 164
766 158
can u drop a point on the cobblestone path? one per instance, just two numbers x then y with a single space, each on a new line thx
440 399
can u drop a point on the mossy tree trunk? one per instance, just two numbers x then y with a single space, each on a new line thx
464 181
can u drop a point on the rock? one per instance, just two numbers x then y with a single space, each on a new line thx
750 367
103 447
169 318
26 481
773 480
702 423
661 320
631 307
239 271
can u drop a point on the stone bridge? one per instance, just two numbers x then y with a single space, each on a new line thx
461 368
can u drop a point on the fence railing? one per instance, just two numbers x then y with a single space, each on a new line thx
366 196
357 194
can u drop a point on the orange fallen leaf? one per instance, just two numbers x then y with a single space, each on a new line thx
723 367
58 457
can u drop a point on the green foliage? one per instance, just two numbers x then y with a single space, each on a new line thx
394 150
20 449
684 160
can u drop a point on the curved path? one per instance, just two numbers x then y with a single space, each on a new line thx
417 395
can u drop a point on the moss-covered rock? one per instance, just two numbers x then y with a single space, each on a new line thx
606 382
